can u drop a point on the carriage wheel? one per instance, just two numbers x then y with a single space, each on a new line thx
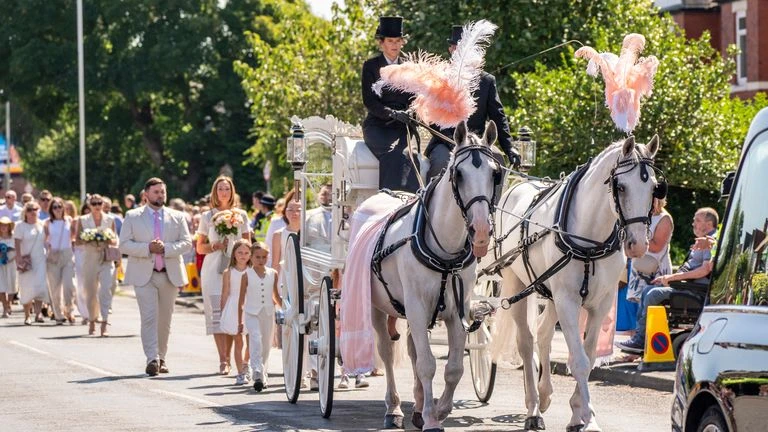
326 347
293 305
481 365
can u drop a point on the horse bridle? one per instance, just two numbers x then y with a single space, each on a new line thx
474 151
659 190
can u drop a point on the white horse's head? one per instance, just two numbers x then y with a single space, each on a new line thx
632 184
475 175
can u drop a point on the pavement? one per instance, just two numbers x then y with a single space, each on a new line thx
622 369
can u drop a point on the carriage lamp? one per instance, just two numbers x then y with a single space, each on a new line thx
297 155
526 147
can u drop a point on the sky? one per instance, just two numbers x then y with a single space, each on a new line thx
323 7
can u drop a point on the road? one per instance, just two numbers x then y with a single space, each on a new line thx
58 378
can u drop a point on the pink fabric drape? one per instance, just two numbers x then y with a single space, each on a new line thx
357 341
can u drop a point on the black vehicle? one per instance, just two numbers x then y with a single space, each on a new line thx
721 382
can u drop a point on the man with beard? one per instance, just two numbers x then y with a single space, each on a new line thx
155 238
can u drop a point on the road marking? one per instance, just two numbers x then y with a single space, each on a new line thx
91 368
187 397
30 348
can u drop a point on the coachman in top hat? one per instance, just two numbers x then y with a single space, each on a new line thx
386 137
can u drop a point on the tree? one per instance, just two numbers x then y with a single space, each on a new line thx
305 66
162 96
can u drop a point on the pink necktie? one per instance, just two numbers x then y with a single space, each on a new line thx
159 264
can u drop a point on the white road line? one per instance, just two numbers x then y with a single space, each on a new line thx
91 368
27 347
104 372
187 397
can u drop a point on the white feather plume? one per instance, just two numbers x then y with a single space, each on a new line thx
468 59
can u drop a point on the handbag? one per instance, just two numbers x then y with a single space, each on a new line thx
112 253
24 263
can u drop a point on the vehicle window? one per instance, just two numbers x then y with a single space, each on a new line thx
740 273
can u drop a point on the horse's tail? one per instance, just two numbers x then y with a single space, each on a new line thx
504 334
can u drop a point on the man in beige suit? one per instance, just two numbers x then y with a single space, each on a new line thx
155 237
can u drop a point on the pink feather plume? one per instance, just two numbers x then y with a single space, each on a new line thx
627 78
443 89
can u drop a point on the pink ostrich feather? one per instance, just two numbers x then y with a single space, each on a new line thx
443 89
628 78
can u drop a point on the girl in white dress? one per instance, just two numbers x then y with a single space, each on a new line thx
234 283
214 249
30 239
7 264
261 296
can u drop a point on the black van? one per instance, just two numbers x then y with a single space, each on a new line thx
721 382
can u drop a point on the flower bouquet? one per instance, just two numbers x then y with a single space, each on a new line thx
97 236
226 225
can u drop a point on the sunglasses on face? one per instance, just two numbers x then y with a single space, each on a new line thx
10 197
32 209
45 199
56 207
96 203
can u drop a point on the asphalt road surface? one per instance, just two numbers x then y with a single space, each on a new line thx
56 378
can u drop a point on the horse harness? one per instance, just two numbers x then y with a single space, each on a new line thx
564 240
426 256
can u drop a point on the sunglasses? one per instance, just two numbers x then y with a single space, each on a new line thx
95 203
32 209
10 197
45 199
56 207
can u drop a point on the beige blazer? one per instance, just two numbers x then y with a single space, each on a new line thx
136 234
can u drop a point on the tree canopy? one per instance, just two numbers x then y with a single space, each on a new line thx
162 97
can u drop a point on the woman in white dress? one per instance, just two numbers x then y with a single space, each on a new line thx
98 273
61 267
29 239
215 249
7 264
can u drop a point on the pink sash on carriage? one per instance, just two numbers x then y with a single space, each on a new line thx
357 341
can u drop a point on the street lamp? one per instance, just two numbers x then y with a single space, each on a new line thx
297 155
526 147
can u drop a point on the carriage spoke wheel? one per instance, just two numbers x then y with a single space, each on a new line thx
326 347
293 305
481 365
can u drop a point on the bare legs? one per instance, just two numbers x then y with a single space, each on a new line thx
224 344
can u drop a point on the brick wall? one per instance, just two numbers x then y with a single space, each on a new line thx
695 22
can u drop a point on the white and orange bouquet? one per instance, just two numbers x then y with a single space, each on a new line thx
226 223
97 235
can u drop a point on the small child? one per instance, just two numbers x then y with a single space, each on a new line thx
7 270
234 282
261 296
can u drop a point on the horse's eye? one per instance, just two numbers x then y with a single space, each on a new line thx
459 176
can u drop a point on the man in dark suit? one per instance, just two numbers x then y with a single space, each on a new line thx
488 108
385 136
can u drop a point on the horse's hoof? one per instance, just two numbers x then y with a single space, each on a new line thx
574 428
534 423
392 421
417 420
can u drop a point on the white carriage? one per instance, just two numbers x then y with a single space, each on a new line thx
325 150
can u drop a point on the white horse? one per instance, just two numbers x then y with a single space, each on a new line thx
454 217
609 198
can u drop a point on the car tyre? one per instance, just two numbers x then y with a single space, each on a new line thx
712 421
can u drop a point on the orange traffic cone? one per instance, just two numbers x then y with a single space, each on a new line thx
658 354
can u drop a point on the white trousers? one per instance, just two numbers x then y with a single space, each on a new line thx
260 340
156 300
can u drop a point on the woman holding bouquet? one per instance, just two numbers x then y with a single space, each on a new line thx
30 262
96 231
219 228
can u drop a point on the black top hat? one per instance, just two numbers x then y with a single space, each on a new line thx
456 32
390 26
267 200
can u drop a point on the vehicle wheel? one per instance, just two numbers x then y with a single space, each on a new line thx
712 421
678 341
326 347
293 306
482 367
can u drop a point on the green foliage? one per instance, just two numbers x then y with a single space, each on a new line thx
162 97
306 66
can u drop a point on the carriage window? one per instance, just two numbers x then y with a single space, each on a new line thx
740 274
318 178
